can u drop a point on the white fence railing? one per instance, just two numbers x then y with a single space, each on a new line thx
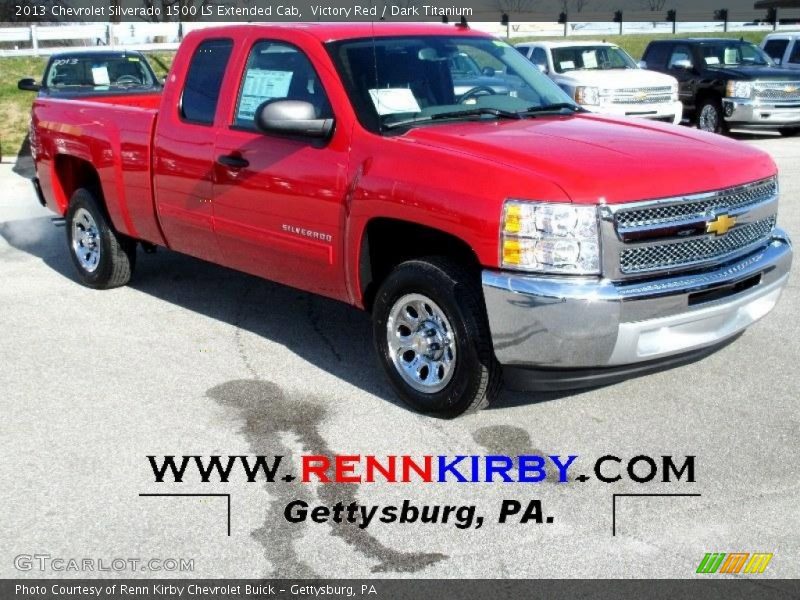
25 40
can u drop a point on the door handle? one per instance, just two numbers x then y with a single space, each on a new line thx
233 161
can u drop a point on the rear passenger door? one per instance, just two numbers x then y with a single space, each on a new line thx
183 152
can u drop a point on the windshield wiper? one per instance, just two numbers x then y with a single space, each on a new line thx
457 114
487 110
555 107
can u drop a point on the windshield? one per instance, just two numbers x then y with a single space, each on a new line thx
733 54
575 58
100 72
420 79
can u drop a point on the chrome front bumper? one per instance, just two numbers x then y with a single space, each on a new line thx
750 113
566 322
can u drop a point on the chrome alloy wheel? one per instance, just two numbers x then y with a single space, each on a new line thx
86 240
421 343
709 118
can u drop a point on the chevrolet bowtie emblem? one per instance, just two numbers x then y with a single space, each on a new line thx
720 225
790 89
640 95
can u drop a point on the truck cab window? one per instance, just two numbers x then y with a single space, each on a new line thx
776 48
794 57
278 71
204 80
681 55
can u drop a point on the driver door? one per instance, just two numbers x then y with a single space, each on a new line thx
279 200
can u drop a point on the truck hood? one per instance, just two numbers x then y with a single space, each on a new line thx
594 158
617 78
748 73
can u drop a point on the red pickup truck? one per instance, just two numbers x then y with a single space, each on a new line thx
482 223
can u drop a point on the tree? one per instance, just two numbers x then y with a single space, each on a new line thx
655 5
515 6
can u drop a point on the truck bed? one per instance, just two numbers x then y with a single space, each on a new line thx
112 133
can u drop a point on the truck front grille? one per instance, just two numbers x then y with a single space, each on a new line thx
781 91
643 95
675 234
665 256
733 199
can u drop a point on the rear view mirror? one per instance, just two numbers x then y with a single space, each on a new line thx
292 117
28 84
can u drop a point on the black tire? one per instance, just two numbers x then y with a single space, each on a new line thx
476 374
117 253
789 131
710 116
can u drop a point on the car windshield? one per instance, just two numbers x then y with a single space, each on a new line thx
574 58
100 72
733 54
407 81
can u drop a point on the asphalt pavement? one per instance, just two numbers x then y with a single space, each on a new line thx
195 359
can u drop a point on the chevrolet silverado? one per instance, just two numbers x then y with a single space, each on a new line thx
497 225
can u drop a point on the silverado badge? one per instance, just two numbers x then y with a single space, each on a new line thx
720 225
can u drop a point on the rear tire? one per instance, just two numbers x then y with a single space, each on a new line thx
433 340
709 116
789 131
103 258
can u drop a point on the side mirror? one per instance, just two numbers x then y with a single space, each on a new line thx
292 117
777 61
29 85
683 64
642 64
488 71
542 68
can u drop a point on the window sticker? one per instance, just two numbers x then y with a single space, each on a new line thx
261 85
100 75
712 60
589 59
394 100
730 56
566 64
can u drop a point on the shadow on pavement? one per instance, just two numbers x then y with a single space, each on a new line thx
329 334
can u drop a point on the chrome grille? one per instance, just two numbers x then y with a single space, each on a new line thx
783 91
664 256
734 199
642 95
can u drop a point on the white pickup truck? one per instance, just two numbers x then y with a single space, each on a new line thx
605 79
783 48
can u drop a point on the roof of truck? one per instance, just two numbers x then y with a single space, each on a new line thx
572 44
327 32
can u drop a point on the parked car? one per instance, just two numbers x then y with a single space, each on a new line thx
479 230
603 78
94 72
783 48
729 83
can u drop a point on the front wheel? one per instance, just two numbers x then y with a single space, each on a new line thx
709 117
104 258
433 340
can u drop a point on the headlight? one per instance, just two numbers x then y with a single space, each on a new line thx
550 237
674 92
739 89
587 95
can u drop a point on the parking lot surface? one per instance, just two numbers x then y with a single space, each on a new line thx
195 359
